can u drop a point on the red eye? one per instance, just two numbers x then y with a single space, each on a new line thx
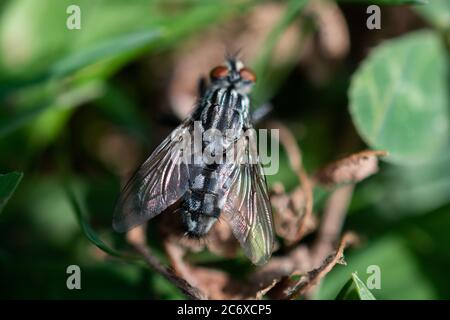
219 72
247 74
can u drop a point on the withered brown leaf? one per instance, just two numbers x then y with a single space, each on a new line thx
351 169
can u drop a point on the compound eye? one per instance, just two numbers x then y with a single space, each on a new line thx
219 72
247 74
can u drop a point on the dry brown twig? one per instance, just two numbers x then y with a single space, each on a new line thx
315 275
136 237
351 169
344 174
288 141
331 224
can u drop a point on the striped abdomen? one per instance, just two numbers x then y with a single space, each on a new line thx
223 110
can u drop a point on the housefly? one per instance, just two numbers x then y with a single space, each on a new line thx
234 190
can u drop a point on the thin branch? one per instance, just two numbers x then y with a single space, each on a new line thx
332 220
293 151
137 239
308 190
314 276
261 293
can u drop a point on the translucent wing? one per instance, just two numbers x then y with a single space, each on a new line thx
247 208
158 183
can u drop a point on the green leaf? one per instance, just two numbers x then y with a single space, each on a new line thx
347 292
57 103
415 189
106 28
11 123
8 184
108 49
385 2
363 292
399 98
437 12
355 289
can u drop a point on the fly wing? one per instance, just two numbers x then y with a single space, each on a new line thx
160 181
247 208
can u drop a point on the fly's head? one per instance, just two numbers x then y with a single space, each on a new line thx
233 74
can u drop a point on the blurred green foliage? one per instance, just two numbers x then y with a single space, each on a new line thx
61 91
8 184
